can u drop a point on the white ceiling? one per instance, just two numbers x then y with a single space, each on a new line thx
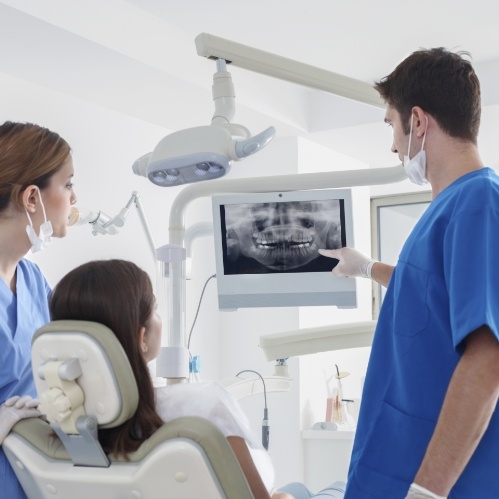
363 39
138 57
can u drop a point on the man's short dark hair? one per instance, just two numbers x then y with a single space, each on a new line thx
443 84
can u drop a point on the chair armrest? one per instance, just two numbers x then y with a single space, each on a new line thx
41 436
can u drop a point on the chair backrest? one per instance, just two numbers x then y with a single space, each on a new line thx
85 381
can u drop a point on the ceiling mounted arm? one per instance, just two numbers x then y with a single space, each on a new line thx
224 99
223 95
286 69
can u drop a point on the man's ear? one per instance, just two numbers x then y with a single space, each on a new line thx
29 198
420 123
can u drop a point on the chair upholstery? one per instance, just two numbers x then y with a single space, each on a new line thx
186 458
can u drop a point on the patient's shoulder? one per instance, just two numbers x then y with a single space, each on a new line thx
191 399
208 400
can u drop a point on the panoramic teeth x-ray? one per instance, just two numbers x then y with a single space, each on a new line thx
281 237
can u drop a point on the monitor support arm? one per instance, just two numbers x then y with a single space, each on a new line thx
305 181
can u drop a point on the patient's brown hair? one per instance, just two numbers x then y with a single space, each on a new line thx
119 295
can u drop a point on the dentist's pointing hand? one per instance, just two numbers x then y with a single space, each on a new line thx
351 262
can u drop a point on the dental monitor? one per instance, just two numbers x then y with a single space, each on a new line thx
266 248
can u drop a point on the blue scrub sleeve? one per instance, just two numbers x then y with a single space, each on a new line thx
471 270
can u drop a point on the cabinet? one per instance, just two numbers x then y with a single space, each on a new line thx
326 456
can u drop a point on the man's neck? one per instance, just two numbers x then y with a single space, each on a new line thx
449 161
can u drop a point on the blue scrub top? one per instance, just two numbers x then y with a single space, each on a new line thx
20 316
444 286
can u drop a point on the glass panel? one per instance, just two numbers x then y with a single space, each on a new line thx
393 218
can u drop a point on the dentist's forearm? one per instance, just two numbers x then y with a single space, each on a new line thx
468 406
382 273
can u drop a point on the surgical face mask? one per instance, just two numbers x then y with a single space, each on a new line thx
39 242
415 168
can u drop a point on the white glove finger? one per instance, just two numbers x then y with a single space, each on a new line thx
23 401
29 413
330 253
11 401
32 404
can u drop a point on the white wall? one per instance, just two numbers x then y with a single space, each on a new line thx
104 145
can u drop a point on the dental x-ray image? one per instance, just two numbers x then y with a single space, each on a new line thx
281 237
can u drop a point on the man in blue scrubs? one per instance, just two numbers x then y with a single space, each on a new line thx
428 425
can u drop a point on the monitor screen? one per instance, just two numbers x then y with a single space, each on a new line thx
266 248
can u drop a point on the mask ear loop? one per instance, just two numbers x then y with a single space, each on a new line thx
425 129
39 241
410 134
43 207
29 219
410 137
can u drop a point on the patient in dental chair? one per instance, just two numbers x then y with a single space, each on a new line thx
119 295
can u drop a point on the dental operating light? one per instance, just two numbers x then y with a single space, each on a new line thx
204 152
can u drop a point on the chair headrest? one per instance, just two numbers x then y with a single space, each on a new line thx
109 388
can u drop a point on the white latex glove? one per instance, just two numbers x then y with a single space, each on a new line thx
418 492
13 410
351 262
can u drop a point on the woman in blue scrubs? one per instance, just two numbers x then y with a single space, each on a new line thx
429 421
36 194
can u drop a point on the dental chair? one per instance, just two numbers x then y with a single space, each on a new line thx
85 382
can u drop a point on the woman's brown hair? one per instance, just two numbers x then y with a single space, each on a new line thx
119 295
29 155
